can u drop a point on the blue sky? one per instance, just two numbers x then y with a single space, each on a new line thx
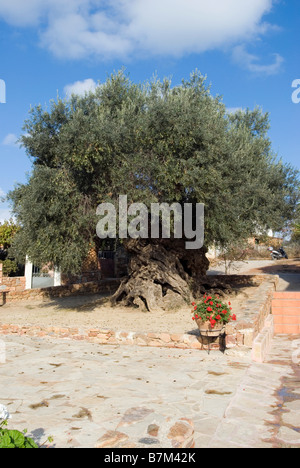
248 49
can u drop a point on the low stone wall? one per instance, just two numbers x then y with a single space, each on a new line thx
262 343
14 284
254 312
99 287
110 337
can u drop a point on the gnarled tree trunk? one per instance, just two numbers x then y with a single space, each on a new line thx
163 275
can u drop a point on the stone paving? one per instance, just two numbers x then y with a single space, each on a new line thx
91 395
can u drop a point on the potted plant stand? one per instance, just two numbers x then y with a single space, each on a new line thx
206 330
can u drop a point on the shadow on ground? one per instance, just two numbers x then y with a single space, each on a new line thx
224 285
287 270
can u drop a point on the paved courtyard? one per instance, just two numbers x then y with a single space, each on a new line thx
81 392
86 395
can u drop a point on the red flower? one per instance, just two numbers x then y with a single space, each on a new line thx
209 309
233 317
229 303
193 318
197 317
195 308
211 303
209 298
224 312
218 317
193 303
213 323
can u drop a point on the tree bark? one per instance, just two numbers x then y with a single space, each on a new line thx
163 275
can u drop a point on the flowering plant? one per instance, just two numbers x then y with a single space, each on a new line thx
4 414
213 310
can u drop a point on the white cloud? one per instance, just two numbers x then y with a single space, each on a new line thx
177 26
123 28
2 193
10 140
80 87
251 62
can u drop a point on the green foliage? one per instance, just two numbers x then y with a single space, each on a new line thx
296 226
8 230
154 143
296 232
16 439
11 438
57 222
9 266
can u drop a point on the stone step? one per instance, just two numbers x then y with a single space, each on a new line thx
295 303
286 295
287 319
286 312
281 329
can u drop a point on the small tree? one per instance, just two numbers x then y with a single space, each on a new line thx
295 226
8 230
235 252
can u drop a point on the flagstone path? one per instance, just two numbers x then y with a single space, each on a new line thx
87 395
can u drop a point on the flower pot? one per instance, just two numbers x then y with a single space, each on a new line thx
206 329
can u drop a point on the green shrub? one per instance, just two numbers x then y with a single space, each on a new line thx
9 267
15 439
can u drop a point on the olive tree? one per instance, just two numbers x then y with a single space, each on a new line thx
155 143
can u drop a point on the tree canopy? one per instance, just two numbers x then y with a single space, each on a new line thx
296 226
153 142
